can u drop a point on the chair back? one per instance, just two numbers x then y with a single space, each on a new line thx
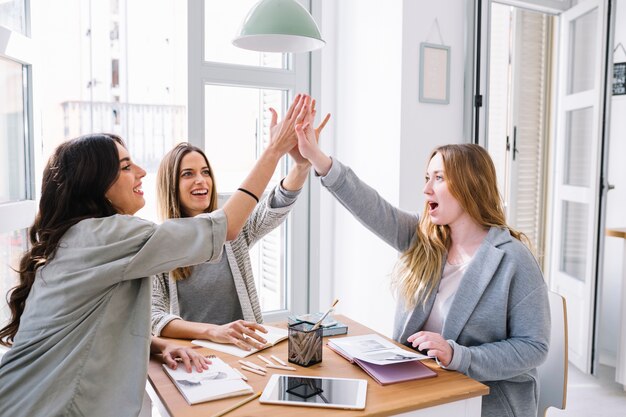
553 372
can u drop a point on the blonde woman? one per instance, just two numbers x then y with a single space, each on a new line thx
470 293
217 301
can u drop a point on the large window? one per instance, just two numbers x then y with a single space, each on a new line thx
230 93
122 67
17 206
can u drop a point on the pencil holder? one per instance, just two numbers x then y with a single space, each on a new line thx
304 344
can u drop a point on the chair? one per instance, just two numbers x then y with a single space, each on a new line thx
553 372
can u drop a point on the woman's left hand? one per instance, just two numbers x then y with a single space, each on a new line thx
309 118
172 354
434 344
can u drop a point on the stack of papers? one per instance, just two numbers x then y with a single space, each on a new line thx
219 381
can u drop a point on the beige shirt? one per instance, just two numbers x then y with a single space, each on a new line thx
450 281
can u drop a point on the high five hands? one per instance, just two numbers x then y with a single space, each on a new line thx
308 141
301 115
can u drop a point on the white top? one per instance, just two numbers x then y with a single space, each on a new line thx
450 280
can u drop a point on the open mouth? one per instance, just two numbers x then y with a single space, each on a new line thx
200 192
432 205
138 190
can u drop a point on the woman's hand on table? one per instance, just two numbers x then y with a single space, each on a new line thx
173 354
434 345
240 333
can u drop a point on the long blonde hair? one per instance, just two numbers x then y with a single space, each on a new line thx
471 179
168 190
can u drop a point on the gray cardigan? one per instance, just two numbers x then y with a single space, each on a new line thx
264 218
83 342
498 324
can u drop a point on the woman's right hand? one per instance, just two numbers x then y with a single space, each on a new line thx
308 144
282 134
240 333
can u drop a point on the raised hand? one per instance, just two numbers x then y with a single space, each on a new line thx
308 119
308 146
282 135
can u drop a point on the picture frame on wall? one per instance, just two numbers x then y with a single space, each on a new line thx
434 76
619 78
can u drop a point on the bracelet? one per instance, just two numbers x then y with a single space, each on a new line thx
243 190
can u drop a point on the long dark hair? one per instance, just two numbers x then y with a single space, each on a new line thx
75 181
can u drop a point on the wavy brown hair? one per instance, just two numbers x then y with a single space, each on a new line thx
168 190
471 179
75 181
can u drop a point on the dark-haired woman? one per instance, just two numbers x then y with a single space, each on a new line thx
80 327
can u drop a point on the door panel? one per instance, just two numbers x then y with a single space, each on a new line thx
577 161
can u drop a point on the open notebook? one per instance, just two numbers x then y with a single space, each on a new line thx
219 381
385 362
273 336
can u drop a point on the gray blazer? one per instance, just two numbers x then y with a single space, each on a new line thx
498 324
83 342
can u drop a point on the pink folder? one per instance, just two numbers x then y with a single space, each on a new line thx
397 372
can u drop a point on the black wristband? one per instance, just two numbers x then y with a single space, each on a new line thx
243 190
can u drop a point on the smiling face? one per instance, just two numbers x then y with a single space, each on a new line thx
125 194
194 184
443 208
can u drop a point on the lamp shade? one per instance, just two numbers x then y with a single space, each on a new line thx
279 26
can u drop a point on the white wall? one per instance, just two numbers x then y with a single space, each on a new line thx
382 132
616 202
424 125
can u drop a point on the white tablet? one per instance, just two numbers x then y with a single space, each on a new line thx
315 392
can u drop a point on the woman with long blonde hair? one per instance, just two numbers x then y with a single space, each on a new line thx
470 292
218 301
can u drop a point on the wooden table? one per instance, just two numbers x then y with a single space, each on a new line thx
448 394
620 368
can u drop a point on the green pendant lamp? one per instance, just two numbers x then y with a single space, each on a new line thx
279 26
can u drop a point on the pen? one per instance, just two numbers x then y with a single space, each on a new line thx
254 371
277 359
319 322
239 404
285 368
252 365
264 359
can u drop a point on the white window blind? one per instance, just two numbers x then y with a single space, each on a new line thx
532 34
519 84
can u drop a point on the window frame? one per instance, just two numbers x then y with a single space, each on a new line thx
18 48
294 80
